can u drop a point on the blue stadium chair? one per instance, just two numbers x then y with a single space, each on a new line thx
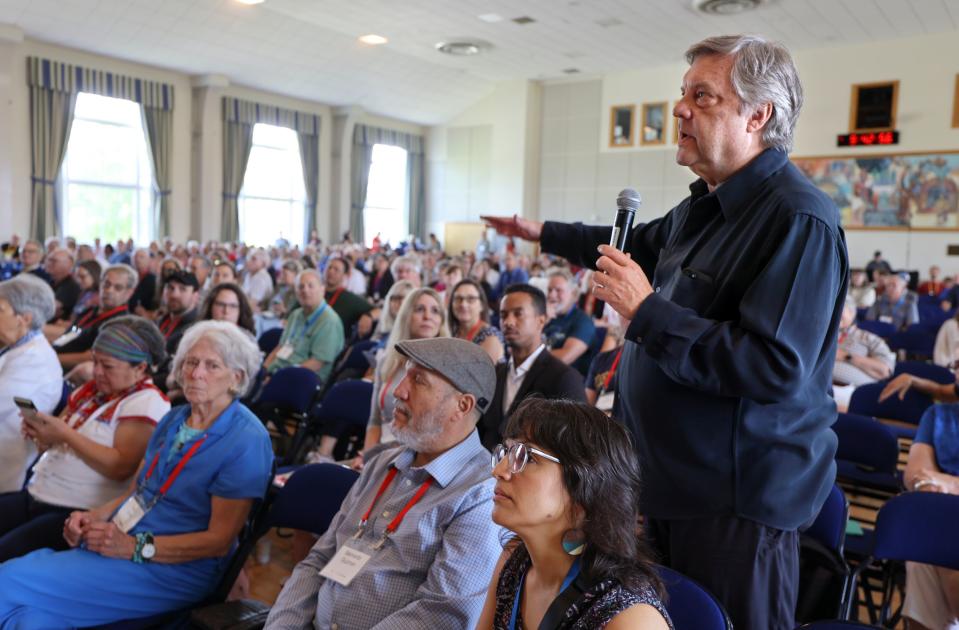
64 395
917 342
867 454
690 606
343 413
917 527
284 405
865 402
882 329
931 371
824 575
269 340
861 314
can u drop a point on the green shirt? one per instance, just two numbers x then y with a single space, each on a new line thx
349 306
321 340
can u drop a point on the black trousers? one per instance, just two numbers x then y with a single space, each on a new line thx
751 568
27 525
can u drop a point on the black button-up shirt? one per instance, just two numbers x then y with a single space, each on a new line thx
725 377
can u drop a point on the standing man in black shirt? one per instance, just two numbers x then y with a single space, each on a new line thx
732 301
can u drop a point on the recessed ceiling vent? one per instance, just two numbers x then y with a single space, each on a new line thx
726 7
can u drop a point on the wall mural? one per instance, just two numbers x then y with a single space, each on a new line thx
895 191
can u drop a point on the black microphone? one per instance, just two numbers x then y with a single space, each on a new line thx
627 204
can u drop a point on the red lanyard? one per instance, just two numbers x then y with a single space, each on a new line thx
612 370
168 325
336 295
86 321
86 400
475 329
395 523
176 471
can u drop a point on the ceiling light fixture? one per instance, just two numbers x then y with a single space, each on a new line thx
250 2
726 7
373 39
462 47
491 18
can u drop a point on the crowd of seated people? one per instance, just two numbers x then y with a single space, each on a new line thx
134 329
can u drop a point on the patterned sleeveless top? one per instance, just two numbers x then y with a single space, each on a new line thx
592 611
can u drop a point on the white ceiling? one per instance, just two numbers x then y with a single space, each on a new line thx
308 48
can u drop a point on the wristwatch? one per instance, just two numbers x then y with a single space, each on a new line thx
144 549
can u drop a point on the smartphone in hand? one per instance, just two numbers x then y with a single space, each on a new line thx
27 408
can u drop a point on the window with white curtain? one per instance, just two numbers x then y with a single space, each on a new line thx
386 212
271 200
106 178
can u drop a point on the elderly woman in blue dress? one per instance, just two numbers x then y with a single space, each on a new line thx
164 543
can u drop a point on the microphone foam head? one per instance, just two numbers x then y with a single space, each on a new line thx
629 199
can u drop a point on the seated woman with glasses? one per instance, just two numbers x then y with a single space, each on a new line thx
227 303
567 486
469 319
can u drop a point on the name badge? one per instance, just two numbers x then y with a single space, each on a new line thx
345 565
129 514
885 319
285 351
66 338
605 402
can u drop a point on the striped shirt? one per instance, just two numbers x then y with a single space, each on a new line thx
433 571
860 343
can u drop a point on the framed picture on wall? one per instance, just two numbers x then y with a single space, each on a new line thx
621 125
955 105
675 124
654 124
873 106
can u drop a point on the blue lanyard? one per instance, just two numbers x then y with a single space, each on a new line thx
27 338
308 323
570 576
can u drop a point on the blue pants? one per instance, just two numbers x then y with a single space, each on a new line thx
27 525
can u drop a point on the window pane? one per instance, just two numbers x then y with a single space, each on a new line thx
102 153
263 221
100 211
385 212
114 110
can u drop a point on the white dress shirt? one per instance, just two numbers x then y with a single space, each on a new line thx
515 376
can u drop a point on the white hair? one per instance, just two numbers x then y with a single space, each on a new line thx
29 295
763 72
234 345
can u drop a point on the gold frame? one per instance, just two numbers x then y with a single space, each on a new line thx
642 124
955 105
854 102
612 125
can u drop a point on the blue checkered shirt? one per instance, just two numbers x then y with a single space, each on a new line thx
433 572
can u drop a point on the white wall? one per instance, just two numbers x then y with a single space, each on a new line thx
196 161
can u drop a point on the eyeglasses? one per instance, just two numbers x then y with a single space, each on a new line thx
469 299
517 455
225 305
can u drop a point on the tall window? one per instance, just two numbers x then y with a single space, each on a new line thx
272 198
386 211
107 178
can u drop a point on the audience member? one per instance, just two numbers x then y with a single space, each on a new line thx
352 309
181 545
31 258
381 279
431 550
407 268
355 279
861 356
946 350
313 336
570 332
87 275
116 288
469 319
144 302
180 297
391 307
91 451
933 286
28 369
897 305
511 274
201 267
861 289
421 316
601 378
877 266
284 297
66 290
224 271
257 283
567 487
227 303
531 369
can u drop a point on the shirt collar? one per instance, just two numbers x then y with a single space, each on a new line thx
444 468
733 194
527 364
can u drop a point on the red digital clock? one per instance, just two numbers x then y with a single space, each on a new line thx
867 138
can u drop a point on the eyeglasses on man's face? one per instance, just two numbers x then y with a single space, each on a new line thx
517 455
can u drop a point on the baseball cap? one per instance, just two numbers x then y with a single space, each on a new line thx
186 278
461 362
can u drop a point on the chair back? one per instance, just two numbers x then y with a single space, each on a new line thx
916 341
65 392
690 606
931 371
837 625
866 442
920 527
269 340
829 528
311 497
865 402
876 327
292 388
347 402
356 358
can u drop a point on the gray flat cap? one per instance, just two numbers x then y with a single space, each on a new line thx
461 362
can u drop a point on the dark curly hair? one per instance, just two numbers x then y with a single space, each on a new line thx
601 475
246 311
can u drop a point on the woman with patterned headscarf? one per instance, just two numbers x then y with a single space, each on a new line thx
93 449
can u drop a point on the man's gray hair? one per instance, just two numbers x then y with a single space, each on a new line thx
29 295
763 72
408 260
309 271
234 345
133 278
